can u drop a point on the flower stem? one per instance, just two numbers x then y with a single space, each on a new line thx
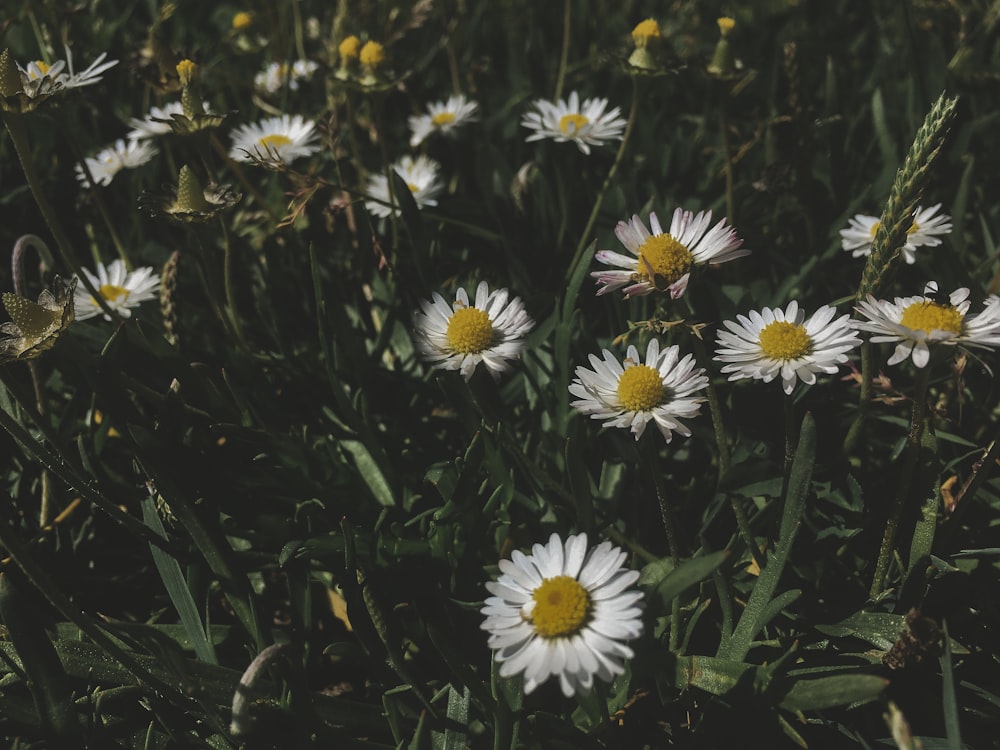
670 527
906 470
227 281
564 53
19 137
864 399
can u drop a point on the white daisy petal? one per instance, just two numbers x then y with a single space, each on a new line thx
421 176
121 289
575 626
460 336
285 139
110 161
921 322
566 121
923 232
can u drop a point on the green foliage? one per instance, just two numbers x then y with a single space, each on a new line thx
251 514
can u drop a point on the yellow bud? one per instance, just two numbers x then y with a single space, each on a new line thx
372 55
726 25
186 70
242 21
348 48
646 32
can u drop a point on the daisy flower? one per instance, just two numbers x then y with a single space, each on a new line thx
121 289
632 394
37 71
585 126
663 260
420 176
110 161
921 321
157 122
277 75
285 139
772 342
927 224
442 117
460 336
563 611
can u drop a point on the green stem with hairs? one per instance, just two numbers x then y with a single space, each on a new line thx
907 468
227 282
670 527
564 53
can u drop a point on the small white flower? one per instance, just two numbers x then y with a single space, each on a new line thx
420 176
564 121
157 122
921 321
664 390
460 336
110 161
285 138
663 260
772 342
277 75
927 224
39 77
442 117
122 290
563 611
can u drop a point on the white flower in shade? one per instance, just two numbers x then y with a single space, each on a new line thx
926 320
121 289
459 336
285 139
586 126
563 611
927 224
662 261
776 342
158 121
277 75
442 117
631 394
420 176
38 77
110 161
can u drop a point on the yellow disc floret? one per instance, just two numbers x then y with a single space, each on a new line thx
661 256
443 118
372 54
186 70
562 606
242 21
274 141
930 316
640 388
470 330
646 32
726 25
112 292
570 124
349 48
782 340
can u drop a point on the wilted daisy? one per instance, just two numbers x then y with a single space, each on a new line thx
285 138
459 336
662 261
420 176
63 74
277 75
121 289
764 344
632 394
927 224
110 161
586 126
158 121
442 117
563 611
921 321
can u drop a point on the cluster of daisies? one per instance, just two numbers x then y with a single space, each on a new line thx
566 611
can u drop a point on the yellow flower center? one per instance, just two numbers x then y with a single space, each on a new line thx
726 25
470 330
913 228
783 340
640 388
443 118
665 257
930 316
372 54
112 292
646 32
274 141
413 188
185 71
43 67
570 124
561 607
348 48
242 21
